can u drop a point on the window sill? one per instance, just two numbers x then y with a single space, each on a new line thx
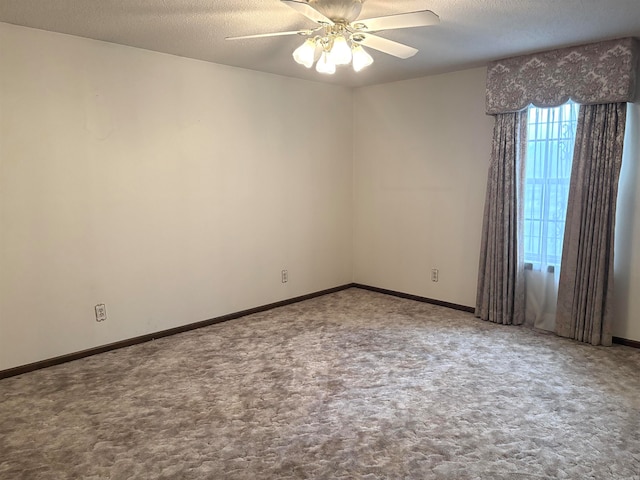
529 266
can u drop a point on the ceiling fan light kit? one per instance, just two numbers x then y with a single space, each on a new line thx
361 58
331 49
325 65
305 54
339 40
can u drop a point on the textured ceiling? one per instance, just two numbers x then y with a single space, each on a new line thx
470 33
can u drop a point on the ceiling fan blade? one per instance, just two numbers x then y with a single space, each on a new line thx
273 34
422 18
385 45
308 11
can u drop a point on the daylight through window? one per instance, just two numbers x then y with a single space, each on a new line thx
550 139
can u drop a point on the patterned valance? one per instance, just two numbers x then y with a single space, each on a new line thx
602 72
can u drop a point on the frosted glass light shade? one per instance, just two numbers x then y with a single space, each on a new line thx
340 52
325 65
305 53
361 58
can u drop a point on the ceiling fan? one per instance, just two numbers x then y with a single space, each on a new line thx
340 35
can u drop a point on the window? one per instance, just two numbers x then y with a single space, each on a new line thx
550 139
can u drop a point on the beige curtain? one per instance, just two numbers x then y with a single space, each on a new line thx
586 279
500 296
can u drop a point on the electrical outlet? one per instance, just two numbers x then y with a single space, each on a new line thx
285 276
101 312
434 274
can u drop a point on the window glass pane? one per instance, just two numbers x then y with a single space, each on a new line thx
550 140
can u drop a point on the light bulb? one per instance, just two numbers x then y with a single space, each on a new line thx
305 53
340 52
325 65
361 58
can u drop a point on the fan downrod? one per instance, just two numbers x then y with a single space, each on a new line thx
340 11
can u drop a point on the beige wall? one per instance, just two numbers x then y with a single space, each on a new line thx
421 155
170 189
175 191
627 252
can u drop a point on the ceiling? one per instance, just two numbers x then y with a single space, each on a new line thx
470 33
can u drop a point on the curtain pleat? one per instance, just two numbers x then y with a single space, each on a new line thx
500 295
586 279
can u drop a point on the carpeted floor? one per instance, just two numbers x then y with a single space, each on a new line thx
352 385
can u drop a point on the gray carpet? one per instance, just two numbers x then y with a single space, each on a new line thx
352 385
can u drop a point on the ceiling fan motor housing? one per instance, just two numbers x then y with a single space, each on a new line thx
340 11
342 37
